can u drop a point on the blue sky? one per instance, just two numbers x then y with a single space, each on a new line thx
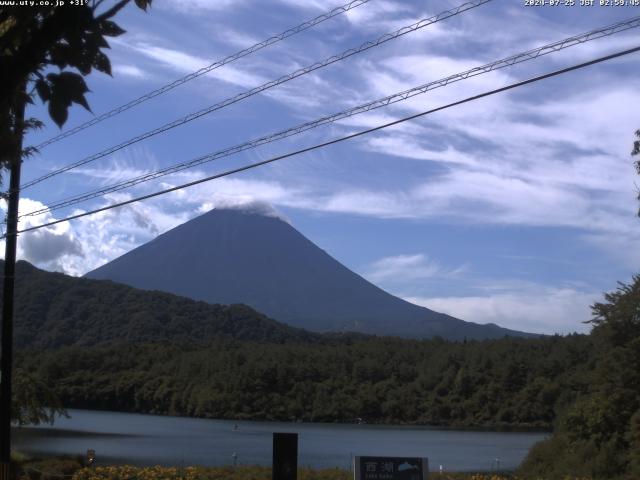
517 209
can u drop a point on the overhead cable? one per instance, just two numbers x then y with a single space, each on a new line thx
231 58
332 142
266 86
382 102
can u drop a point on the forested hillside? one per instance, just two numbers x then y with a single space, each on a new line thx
54 310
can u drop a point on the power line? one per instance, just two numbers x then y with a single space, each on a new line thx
337 140
391 99
231 58
229 101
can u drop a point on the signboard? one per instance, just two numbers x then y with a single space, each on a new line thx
390 468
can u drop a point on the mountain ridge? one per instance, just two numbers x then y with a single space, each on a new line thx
54 310
244 256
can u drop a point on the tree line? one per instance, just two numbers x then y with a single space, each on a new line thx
501 383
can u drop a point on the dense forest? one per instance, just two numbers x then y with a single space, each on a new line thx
504 383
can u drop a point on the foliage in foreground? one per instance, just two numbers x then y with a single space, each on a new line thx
33 402
50 468
67 467
250 473
599 435
48 50
245 473
127 472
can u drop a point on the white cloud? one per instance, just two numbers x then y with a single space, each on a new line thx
407 268
591 190
234 37
83 244
367 202
236 191
184 62
129 71
295 94
248 206
407 146
47 245
199 7
131 162
52 248
536 308
380 15
620 246
307 4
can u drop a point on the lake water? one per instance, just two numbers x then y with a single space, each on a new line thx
161 440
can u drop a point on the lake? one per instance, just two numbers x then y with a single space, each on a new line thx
163 440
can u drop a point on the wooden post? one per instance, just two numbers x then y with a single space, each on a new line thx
6 358
285 456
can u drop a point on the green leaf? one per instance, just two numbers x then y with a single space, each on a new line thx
101 62
100 41
58 111
73 82
143 4
33 123
66 87
83 64
82 101
111 29
62 55
29 151
43 89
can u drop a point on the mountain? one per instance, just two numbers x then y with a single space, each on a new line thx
246 256
53 310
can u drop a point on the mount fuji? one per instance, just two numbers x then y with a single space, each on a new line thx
254 257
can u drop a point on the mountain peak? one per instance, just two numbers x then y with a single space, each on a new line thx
237 253
245 206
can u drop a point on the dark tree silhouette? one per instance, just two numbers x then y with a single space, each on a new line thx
34 41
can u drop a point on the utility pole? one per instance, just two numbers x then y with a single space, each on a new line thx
6 359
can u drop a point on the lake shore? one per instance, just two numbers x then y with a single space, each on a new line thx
443 427
147 440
